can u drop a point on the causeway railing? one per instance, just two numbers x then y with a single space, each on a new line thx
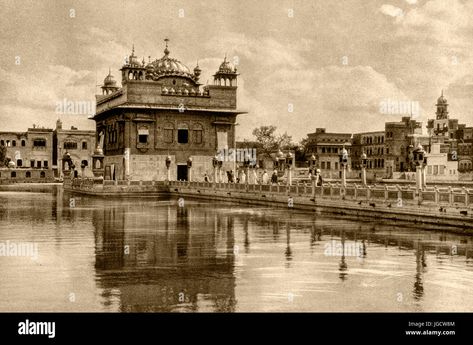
396 195
392 194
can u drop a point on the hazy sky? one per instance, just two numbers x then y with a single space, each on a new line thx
332 62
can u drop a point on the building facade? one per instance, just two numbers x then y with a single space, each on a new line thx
160 111
326 148
465 149
28 154
399 145
78 144
373 145
439 167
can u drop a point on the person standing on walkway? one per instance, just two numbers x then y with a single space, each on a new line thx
265 177
319 179
274 177
255 176
243 177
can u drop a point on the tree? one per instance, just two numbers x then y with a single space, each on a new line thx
269 141
302 148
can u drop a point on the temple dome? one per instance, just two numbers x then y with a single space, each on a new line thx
167 66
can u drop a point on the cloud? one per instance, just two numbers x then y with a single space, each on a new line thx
392 11
411 2
33 98
431 49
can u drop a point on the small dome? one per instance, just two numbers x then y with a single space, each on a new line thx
197 71
442 99
133 59
226 67
109 80
98 151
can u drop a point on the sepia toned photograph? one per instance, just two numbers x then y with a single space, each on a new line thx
285 156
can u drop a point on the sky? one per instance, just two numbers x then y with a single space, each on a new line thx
303 64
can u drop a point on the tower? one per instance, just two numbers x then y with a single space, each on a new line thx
442 108
226 74
133 69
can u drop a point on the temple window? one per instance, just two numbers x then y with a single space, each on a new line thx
39 143
168 135
182 136
143 134
68 145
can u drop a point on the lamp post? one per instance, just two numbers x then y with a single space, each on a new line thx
280 160
289 168
424 172
82 169
220 164
364 162
189 169
419 155
215 166
314 175
168 165
343 162
312 163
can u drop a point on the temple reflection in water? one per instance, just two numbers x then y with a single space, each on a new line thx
152 255
178 258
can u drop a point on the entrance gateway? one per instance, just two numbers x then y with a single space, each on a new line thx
182 172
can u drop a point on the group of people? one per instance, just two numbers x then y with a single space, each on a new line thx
240 177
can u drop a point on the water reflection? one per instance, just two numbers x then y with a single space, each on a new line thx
418 291
161 263
152 255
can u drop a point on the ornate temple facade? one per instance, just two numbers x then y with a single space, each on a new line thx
163 113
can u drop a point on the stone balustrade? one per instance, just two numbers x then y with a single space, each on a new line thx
388 194
397 195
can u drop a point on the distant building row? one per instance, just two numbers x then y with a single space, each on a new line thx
389 153
37 153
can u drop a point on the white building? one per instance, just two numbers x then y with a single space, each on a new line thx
439 167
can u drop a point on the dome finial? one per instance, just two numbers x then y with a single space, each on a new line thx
133 50
166 50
